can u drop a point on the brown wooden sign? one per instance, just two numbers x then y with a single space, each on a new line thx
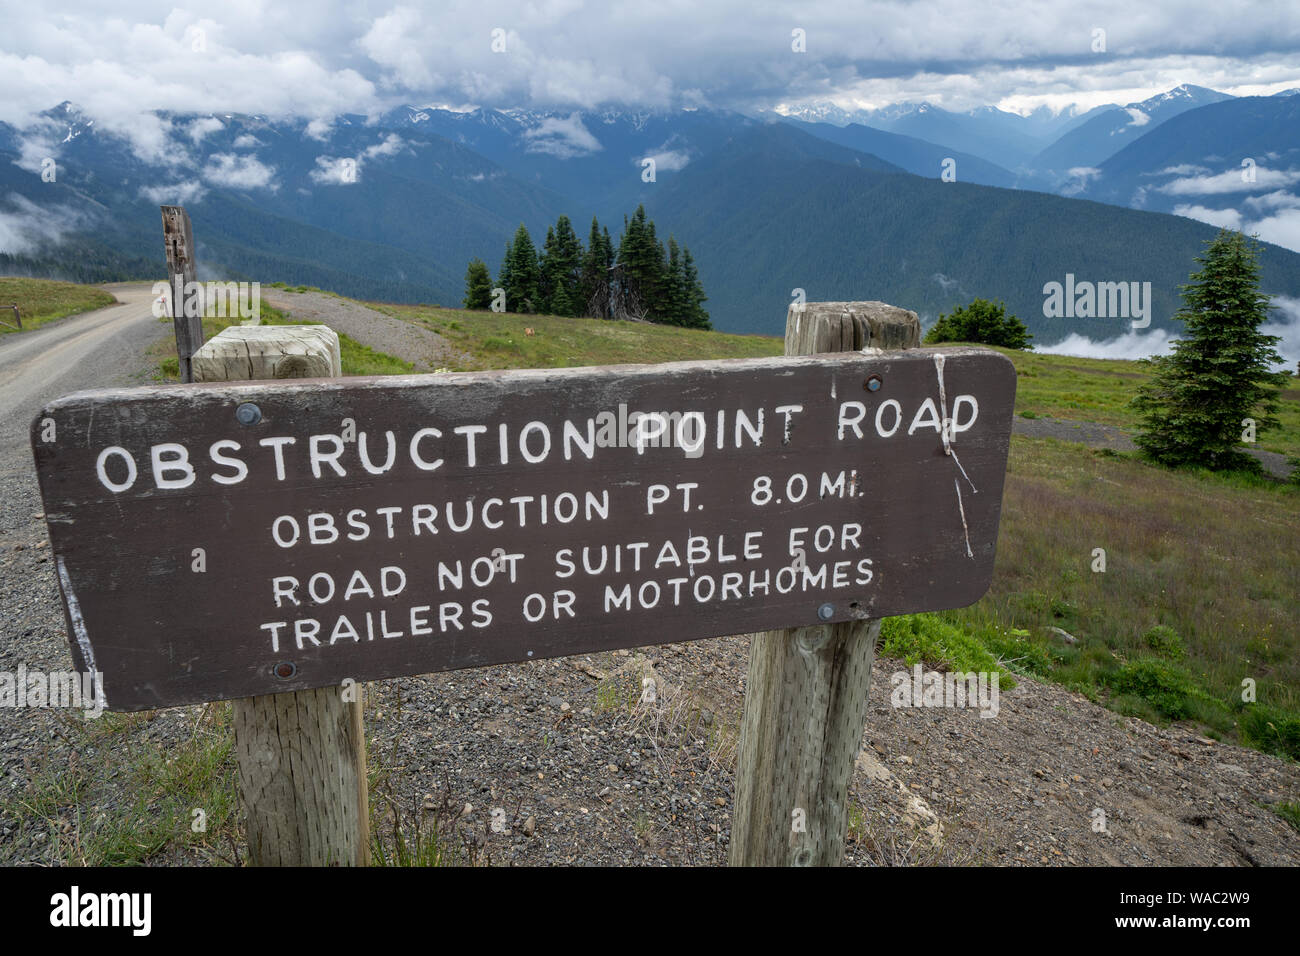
217 541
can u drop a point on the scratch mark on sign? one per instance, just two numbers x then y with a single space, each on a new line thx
946 433
79 630
962 510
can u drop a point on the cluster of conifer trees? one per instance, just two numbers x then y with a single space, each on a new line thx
642 279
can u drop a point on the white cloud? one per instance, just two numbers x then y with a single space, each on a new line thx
239 172
389 146
319 129
335 171
37 144
247 141
1230 181
1282 228
1182 169
202 127
26 227
322 58
1135 118
174 194
1077 179
564 138
387 43
1285 324
1223 218
669 161
1130 345
1275 200
346 170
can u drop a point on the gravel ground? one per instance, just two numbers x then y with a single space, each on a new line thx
426 350
574 781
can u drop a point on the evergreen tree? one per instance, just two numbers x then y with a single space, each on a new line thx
562 270
519 277
478 285
504 278
693 299
594 275
641 278
675 307
982 321
640 260
1220 372
545 278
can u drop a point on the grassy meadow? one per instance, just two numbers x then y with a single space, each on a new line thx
44 300
501 340
1200 589
1098 390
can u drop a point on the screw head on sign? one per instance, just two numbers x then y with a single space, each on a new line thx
285 669
826 612
248 414
873 383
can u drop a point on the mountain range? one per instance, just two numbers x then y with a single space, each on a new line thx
838 204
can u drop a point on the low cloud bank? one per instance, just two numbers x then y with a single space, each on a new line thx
1284 322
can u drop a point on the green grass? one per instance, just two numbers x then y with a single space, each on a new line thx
1290 812
499 340
929 639
1047 386
44 300
1098 390
357 359
1201 590
133 801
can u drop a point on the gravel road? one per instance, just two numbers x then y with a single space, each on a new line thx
424 349
1096 435
91 350
96 349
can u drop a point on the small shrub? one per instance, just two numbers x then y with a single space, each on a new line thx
1290 812
1062 609
1016 650
928 639
1271 729
983 322
1130 705
1164 640
1162 685
494 343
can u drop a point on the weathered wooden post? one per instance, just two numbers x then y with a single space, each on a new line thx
182 273
302 754
806 694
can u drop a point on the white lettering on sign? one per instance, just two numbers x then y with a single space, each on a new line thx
329 456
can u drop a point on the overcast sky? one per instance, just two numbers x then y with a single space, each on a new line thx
317 58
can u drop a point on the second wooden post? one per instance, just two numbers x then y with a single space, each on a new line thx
302 754
806 694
